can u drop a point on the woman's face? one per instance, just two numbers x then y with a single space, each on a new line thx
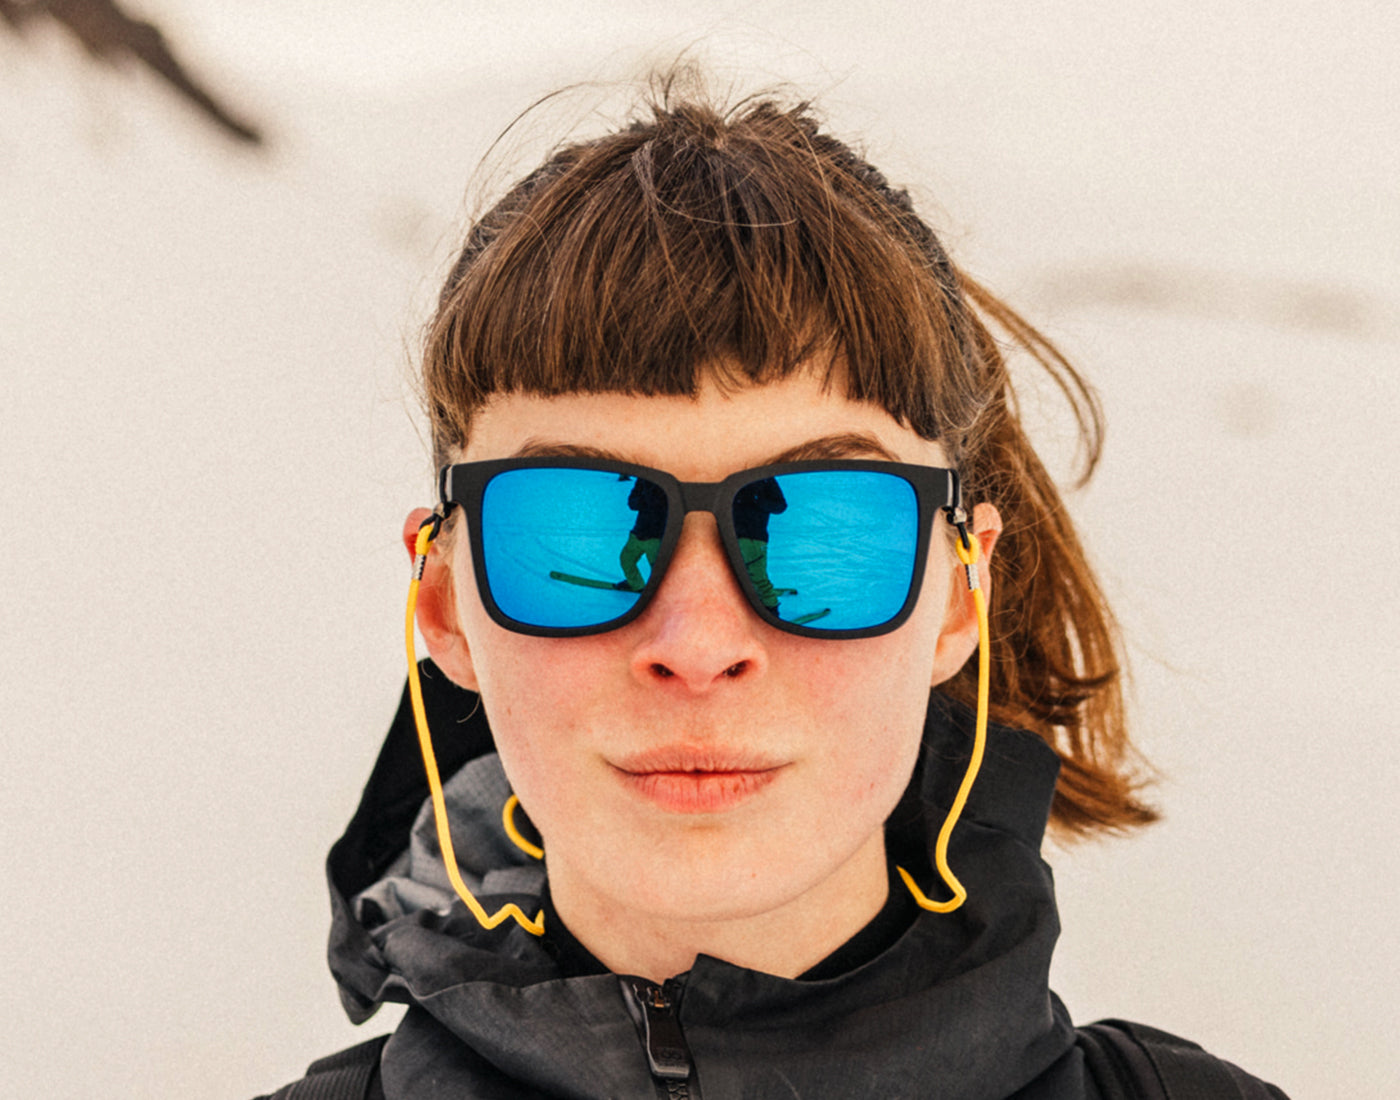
698 764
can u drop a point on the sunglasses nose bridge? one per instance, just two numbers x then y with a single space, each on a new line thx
701 496
710 496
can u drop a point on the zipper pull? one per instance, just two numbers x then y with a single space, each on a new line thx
667 1054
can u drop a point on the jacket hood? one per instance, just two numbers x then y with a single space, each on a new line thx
960 1003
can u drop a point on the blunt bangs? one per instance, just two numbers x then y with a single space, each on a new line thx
741 246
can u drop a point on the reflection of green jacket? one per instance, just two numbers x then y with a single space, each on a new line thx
952 1005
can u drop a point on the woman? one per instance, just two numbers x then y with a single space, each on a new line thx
722 830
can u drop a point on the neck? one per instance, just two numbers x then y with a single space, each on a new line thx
785 939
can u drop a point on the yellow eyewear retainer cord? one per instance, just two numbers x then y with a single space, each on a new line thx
968 551
426 534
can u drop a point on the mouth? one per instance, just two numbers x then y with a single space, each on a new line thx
696 781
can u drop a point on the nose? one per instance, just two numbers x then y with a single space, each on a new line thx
699 633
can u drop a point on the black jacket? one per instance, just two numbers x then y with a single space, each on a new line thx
954 1005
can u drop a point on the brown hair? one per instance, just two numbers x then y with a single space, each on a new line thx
744 245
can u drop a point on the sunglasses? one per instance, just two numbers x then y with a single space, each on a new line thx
564 547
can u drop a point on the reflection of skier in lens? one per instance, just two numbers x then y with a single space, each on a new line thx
753 504
648 500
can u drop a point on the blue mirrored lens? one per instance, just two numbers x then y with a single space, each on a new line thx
569 548
829 549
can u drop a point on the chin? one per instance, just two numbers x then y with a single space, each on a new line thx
714 885
719 902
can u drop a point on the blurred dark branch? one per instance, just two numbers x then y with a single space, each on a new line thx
111 36
1261 299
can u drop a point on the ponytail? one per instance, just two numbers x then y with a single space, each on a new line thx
1056 663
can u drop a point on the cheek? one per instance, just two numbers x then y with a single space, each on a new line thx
535 696
872 696
533 736
868 680
540 696
874 693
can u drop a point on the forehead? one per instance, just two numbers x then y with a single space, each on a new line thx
703 438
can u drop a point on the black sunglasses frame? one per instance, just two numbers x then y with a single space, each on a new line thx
464 484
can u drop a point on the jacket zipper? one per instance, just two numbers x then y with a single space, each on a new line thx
654 1008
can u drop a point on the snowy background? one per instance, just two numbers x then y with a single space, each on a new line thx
207 447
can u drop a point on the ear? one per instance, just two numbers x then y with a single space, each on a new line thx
437 606
958 639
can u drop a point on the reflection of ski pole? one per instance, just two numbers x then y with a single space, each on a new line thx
586 582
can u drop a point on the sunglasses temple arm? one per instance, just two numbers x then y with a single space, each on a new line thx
426 533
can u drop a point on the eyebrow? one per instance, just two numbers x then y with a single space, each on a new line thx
836 445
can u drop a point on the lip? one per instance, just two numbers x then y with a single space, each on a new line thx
686 780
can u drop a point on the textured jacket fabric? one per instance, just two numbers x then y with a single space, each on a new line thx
957 1006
